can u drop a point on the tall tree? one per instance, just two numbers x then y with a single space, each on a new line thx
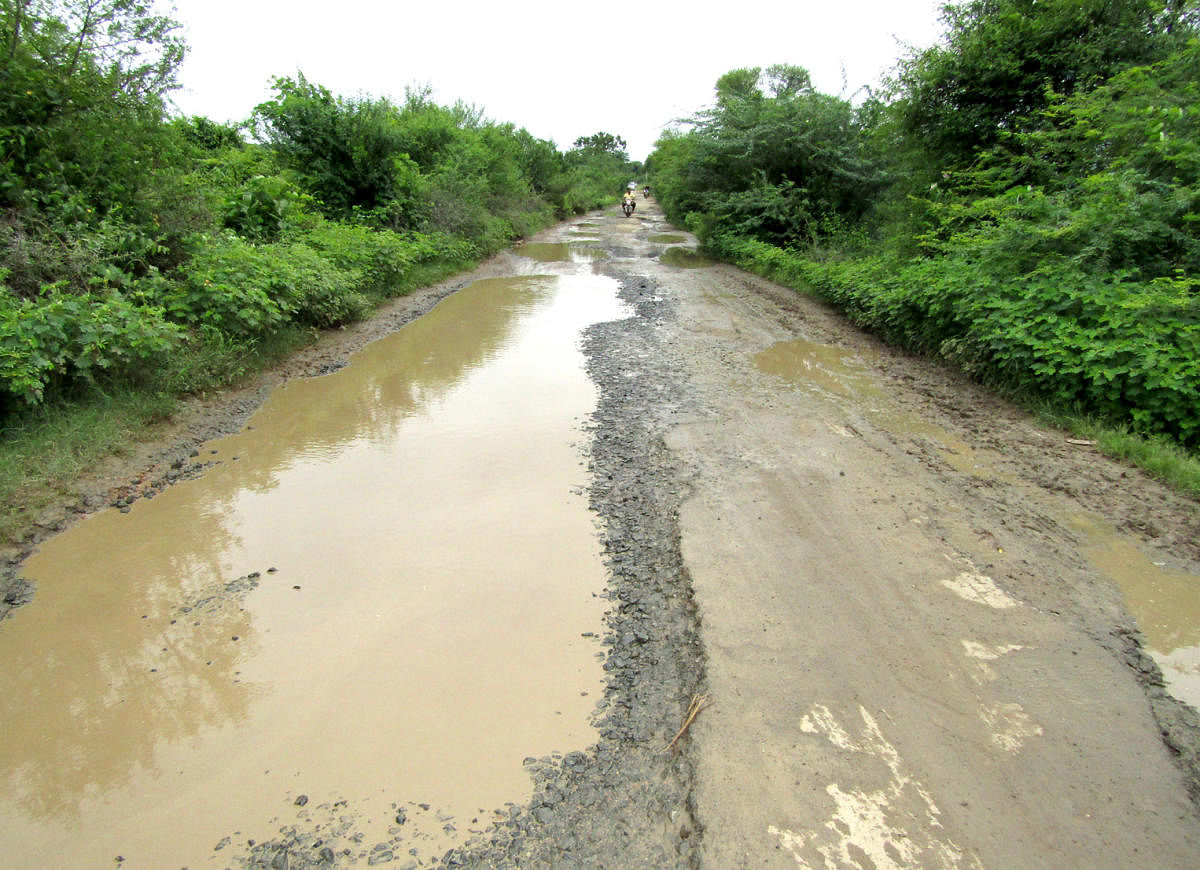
601 143
1001 59
82 84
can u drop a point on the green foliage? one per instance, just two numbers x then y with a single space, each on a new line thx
380 258
81 86
350 152
262 207
59 337
785 165
208 136
244 289
601 143
1033 187
1125 351
1002 57
171 254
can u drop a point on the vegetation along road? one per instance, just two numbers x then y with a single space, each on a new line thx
377 493
894 595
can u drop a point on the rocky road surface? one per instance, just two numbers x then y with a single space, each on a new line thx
866 573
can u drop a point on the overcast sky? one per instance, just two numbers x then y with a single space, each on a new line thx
559 69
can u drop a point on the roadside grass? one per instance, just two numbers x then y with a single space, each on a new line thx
42 452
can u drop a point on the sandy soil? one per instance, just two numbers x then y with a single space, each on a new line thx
875 573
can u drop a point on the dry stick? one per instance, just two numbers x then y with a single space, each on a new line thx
699 702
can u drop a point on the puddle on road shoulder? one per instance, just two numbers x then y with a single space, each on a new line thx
1164 601
667 239
684 258
841 372
560 252
426 567
807 363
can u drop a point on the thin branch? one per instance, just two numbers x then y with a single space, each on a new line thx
699 702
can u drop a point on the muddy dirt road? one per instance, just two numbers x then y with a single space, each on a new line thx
906 605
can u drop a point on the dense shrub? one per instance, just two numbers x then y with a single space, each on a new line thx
241 288
124 233
1120 349
1030 206
58 337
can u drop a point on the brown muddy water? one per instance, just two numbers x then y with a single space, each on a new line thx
684 258
1164 601
422 618
561 252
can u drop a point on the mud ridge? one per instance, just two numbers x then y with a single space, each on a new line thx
1179 723
624 802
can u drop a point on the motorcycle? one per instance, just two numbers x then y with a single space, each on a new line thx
628 206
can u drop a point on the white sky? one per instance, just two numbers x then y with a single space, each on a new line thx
560 69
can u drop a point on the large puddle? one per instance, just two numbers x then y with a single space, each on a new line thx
1165 602
561 252
685 258
421 620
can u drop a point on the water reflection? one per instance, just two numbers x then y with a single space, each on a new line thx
684 258
561 252
90 658
417 505
95 673
808 363
1165 602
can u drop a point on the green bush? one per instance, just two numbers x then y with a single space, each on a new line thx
383 258
1125 350
243 289
262 207
232 285
50 342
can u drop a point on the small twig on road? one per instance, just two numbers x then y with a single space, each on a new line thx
699 702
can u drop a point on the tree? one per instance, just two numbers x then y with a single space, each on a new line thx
350 152
601 143
124 42
82 84
783 163
1002 57
785 80
738 86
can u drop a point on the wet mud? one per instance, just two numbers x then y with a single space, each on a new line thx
624 800
654 662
